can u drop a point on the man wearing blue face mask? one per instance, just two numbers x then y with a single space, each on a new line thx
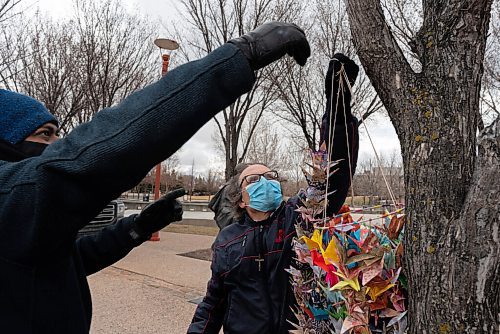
249 291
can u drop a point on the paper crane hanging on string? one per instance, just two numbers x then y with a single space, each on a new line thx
347 274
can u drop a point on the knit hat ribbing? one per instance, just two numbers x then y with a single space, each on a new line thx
20 116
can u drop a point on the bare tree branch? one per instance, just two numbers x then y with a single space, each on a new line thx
6 7
215 22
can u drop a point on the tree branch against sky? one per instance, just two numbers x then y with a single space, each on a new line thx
81 65
11 35
8 9
301 99
490 94
213 23
117 54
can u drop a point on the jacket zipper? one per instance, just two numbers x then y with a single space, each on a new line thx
260 260
264 276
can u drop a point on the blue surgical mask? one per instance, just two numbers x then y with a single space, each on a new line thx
265 195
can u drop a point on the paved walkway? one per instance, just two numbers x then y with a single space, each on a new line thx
150 289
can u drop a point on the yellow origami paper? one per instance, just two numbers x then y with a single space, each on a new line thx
310 244
353 283
317 237
331 254
315 242
376 290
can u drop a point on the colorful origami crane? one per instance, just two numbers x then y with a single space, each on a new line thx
347 276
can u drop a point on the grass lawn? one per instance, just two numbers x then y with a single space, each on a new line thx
190 229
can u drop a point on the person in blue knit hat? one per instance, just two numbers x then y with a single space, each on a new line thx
50 188
26 126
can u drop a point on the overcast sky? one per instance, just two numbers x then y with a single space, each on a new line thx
201 146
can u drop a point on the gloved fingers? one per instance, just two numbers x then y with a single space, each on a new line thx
298 47
177 211
271 41
171 195
334 67
350 67
341 57
300 51
164 203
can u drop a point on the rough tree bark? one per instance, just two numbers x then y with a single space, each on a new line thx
452 195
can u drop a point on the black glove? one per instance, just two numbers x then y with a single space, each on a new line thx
344 96
335 65
158 214
271 41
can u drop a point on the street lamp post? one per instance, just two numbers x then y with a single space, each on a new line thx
168 45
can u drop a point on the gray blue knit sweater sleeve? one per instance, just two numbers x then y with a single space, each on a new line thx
58 192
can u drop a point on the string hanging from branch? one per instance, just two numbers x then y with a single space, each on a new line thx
347 275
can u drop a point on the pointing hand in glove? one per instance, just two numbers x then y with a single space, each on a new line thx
158 214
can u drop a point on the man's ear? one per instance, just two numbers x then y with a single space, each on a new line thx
241 204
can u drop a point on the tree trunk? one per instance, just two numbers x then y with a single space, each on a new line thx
452 247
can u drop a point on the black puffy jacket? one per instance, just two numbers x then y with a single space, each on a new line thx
249 291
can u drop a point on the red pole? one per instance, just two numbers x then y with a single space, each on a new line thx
164 69
164 65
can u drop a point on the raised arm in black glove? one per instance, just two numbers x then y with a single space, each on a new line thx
341 103
339 123
158 214
271 41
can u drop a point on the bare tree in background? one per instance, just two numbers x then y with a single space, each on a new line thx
116 56
214 23
300 91
405 18
169 171
301 101
267 146
394 175
213 181
41 64
369 181
48 70
10 37
452 249
293 178
11 41
365 181
81 66
7 9
490 94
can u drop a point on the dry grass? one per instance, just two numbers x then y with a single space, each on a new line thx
200 254
198 198
191 229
